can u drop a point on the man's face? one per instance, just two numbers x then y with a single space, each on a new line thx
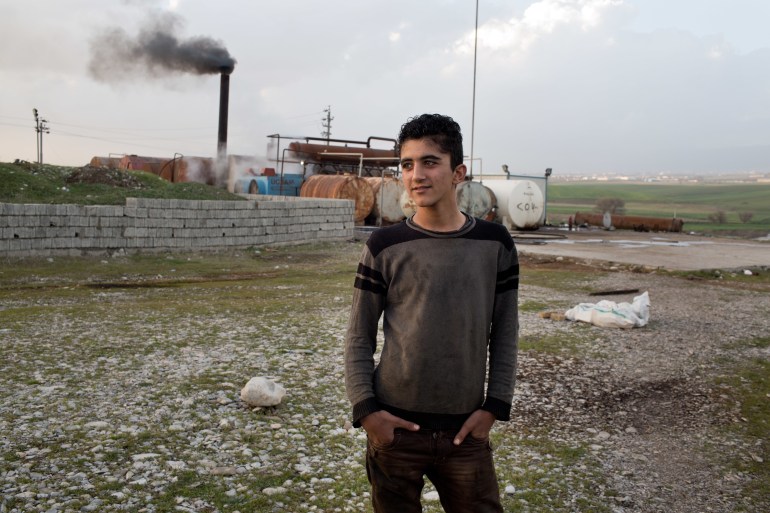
428 175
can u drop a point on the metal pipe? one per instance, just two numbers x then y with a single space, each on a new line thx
369 141
360 158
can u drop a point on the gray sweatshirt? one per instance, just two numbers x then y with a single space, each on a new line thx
450 309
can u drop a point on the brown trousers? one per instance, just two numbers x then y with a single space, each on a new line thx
464 476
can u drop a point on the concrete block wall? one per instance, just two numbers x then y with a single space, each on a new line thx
145 225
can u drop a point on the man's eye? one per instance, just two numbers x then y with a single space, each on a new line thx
406 165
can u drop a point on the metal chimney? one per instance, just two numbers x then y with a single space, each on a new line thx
224 100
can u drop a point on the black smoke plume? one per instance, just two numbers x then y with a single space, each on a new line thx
156 51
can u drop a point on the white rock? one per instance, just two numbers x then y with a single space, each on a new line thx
144 456
261 391
274 490
431 496
98 424
510 489
224 471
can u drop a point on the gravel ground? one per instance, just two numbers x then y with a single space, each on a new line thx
650 395
126 399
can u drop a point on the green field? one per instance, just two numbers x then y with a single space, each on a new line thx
694 203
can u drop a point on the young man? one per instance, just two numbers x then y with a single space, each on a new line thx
447 285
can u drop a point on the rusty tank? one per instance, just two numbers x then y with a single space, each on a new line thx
152 165
636 223
348 187
190 169
108 162
387 197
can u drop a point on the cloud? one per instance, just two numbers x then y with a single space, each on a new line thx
540 19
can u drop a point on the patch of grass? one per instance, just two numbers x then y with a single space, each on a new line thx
751 387
571 343
559 279
758 279
36 183
551 476
534 306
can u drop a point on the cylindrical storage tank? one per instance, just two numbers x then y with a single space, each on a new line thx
152 165
194 169
520 203
387 198
408 206
475 199
348 187
110 162
637 223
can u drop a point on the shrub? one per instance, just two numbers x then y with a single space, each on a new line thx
611 205
718 217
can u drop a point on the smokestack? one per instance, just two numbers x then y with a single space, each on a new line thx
224 100
158 51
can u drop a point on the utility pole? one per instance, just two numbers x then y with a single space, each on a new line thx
326 123
40 129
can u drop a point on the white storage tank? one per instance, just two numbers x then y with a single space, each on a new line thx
387 198
520 203
408 206
475 199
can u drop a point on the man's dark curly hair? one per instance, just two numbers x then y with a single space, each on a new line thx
442 130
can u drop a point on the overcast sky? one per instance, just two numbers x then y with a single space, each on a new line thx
581 86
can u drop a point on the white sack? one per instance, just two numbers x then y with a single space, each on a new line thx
609 314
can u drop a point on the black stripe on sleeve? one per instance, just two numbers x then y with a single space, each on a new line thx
370 280
367 272
370 286
508 279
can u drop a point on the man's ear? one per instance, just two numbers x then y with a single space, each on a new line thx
459 174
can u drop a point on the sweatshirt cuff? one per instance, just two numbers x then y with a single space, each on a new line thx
500 409
363 408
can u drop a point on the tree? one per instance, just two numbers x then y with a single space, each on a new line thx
611 205
745 217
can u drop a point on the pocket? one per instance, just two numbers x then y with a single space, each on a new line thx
387 446
478 442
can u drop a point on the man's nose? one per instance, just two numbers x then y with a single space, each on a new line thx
418 173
